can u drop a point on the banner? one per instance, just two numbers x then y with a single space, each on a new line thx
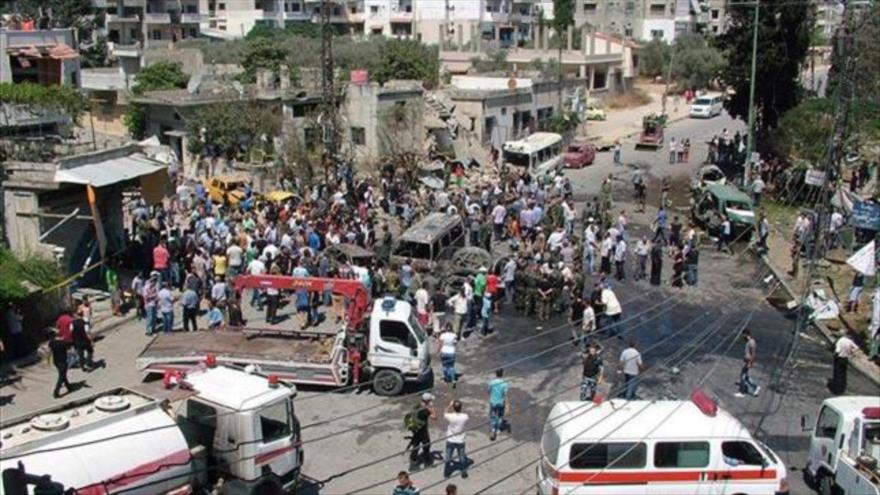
864 260
815 177
866 215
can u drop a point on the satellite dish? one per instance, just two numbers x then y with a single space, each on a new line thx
192 87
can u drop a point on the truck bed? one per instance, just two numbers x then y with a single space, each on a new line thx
238 344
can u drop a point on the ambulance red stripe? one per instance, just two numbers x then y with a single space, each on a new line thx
627 478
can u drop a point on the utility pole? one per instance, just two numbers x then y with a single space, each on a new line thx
328 120
750 137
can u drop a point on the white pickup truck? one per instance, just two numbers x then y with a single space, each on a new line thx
845 446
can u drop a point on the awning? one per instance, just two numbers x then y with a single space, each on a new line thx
109 172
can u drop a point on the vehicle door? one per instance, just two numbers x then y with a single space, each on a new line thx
823 444
395 346
742 468
688 463
277 441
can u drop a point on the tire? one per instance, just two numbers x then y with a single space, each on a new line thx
826 485
387 383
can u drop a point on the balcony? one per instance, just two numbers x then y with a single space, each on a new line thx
118 19
498 16
520 17
359 17
164 18
193 18
401 16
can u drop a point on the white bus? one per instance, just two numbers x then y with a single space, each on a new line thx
539 153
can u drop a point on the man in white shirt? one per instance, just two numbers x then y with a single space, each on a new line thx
508 277
422 297
556 239
456 422
234 255
843 350
642 250
499 213
620 258
612 311
257 266
459 305
631 365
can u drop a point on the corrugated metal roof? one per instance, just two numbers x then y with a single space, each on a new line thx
109 172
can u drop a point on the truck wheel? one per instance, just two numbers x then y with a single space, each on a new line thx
826 485
387 383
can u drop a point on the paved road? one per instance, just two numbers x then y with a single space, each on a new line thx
688 340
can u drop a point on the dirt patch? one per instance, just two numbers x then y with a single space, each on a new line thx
635 98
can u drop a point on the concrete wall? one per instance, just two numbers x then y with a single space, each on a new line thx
191 59
369 107
14 39
667 26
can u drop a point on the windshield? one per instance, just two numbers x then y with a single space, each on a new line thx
516 159
417 328
736 205
702 101
414 250
766 450
574 149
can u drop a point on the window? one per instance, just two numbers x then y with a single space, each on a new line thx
374 9
599 80
715 13
589 8
275 422
657 34
295 7
201 413
658 10
742 453
156 34
221 6
358 135
396 332
681 454
550 443
623 455
826 426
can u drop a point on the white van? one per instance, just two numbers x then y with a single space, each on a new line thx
648 448
707 106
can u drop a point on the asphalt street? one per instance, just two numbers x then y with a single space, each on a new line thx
354 442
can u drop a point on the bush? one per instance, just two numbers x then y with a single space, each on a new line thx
41 272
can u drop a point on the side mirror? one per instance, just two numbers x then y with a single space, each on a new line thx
414 352
805 423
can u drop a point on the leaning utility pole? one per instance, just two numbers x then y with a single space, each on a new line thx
328 118
750 137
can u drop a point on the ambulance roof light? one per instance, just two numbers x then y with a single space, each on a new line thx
871 412
704 403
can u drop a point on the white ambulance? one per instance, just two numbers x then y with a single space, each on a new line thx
654 447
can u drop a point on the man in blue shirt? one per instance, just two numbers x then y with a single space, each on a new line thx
660 226
498 403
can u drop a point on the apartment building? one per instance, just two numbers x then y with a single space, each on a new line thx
134 24
828 17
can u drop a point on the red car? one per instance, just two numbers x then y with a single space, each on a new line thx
579 155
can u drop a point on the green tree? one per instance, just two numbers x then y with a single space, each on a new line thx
95 55
42 272
804 131
563 18
157 77
407 59
866 32
231 126
696 63
65 13
39 99
263 53
783 41
494 61
654 58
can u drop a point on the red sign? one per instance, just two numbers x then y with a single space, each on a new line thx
359 76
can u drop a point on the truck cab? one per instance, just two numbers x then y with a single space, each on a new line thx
219 430
845 446
397 350
248 426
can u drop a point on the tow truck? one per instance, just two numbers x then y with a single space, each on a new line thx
845 446
652 131
386 345
214 429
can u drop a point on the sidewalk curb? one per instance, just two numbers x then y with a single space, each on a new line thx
859 365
